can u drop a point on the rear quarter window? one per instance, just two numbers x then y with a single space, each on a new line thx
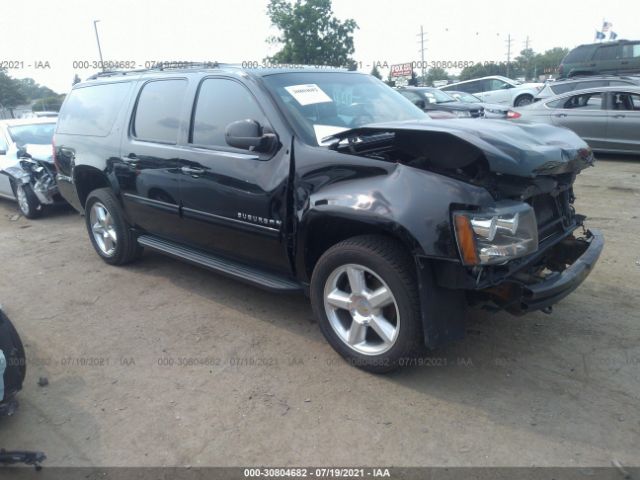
92 110
579 54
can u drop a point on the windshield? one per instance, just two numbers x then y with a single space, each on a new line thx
37 133
437 96
466 97
321 104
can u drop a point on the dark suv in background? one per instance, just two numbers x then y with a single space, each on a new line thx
330 183
620 57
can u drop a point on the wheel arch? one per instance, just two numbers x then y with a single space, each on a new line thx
522 95
323 230
87 179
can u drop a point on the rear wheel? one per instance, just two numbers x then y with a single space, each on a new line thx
28 202
363 292
110 234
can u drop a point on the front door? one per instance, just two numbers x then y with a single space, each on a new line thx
233 201
585 115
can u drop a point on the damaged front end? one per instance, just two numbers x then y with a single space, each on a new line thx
33 170
529 248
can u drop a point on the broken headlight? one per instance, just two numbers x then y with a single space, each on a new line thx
496 235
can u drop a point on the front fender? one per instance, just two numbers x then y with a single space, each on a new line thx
415 204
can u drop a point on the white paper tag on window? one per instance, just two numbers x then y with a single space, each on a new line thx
308 94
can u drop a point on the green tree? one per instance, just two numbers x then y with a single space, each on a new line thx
525 63
76 79
547 63
310 34
481 70
10 93
434 74
413 81
32 90
390 81
48 104
376 73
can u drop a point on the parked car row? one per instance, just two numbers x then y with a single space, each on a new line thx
607 118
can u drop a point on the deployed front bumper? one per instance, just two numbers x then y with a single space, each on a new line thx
556 286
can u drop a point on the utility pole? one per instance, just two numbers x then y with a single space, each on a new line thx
95 27
421 41
509 42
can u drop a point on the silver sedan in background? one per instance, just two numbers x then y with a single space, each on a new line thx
607 118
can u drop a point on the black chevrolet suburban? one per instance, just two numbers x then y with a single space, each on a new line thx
330 183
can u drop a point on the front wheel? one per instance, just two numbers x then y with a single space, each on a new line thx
523 100
110 234
28 202
364 295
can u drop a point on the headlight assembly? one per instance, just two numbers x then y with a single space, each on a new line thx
496 235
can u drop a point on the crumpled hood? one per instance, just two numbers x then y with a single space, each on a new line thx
525 150
40 152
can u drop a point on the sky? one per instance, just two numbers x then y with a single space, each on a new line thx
61 32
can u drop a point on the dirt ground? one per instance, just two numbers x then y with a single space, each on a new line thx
162 363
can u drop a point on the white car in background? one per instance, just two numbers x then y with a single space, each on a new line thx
498 90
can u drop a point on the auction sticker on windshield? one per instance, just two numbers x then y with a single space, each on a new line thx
308 94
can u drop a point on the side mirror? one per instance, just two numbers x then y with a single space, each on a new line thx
249 135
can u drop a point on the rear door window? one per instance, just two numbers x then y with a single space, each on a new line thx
157 115
625 101
606 53
579 54
631 50
92 110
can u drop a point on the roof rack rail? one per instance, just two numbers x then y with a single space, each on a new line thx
161 66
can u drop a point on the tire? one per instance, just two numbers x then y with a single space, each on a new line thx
523 100
110 234
28 202
384 264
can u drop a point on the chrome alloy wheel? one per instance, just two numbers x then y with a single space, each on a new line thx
23 202
361 309
103 229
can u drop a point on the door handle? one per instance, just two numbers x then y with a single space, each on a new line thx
560 115
192 170
619 116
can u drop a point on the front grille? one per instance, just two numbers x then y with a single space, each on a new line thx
554 214
476 113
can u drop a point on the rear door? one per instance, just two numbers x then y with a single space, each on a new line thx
624 121
585 114
148 170
234 202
